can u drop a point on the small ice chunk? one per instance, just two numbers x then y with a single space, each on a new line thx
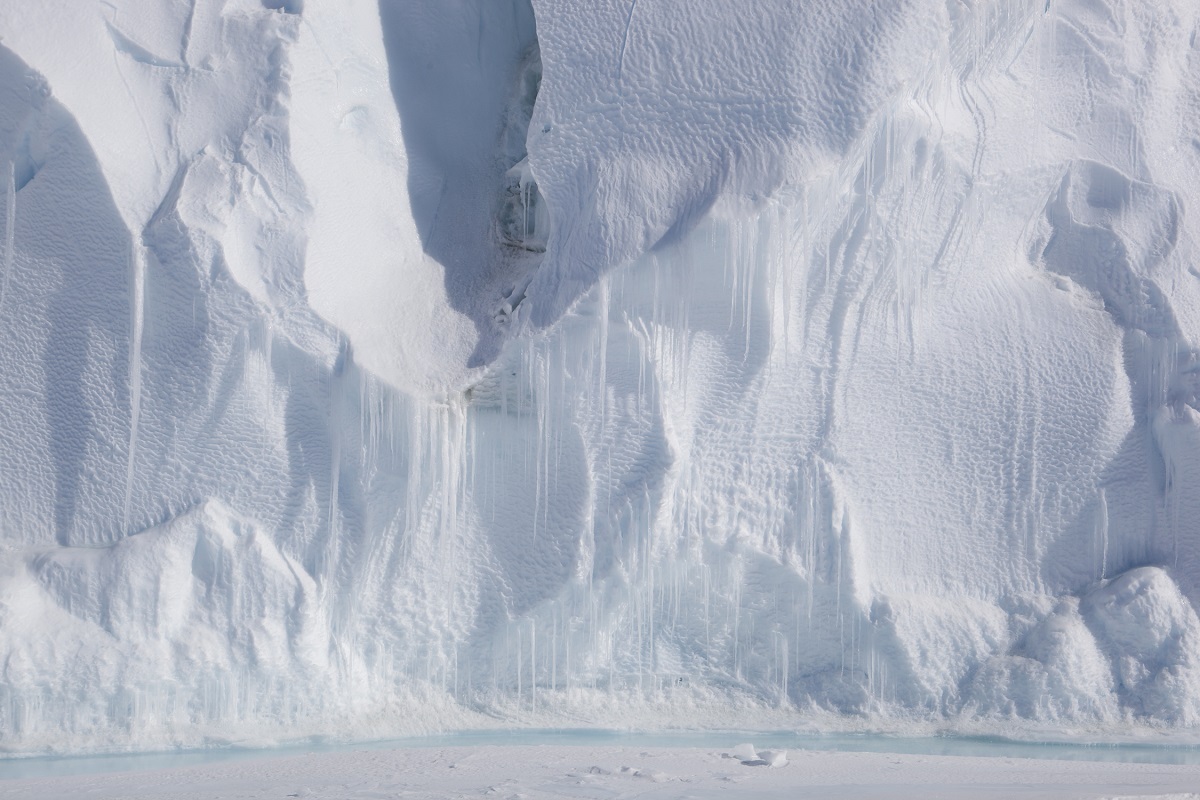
745 752
774 758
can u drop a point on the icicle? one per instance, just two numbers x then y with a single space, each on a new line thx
602 380
783 669
137 314
737 619
335 457
544 400
1101 530
10 230
519 659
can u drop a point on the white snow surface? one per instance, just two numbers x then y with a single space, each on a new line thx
380 367
623 773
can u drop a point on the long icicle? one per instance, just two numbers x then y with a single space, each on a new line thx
138 311
10 230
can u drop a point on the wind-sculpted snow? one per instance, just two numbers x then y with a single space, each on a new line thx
653 112
374 367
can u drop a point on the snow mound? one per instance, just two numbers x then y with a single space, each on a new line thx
145 634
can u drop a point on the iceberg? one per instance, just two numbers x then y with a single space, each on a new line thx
376 368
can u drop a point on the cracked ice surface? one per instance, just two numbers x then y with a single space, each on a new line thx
375 368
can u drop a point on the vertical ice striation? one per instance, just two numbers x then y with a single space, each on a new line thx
137 317
432 368
10 229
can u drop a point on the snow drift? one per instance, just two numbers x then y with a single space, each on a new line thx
372 368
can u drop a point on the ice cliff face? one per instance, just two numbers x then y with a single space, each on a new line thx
376 367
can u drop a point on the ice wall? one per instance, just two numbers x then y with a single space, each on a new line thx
376 368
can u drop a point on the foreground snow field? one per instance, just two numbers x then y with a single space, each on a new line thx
371 368
614 773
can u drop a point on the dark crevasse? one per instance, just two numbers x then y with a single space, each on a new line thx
522 220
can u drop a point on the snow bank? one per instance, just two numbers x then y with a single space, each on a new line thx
374 369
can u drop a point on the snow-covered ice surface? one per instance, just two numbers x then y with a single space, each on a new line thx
613 773
371 368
